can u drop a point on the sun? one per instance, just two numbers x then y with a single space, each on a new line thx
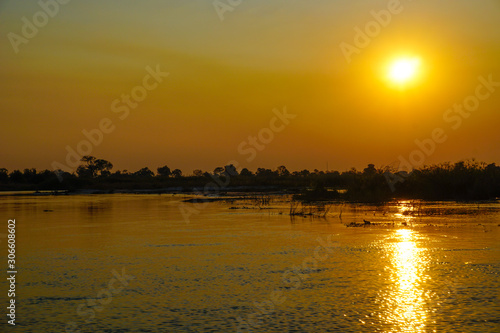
403 71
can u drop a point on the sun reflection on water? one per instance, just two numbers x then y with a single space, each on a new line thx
404 306
406 210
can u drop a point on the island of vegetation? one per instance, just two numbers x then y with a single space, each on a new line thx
461 181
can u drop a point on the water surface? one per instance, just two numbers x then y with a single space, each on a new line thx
234 267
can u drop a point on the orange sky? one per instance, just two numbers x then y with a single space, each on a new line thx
226 77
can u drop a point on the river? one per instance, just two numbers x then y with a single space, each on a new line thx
153 263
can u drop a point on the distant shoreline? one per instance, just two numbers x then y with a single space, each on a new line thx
466 181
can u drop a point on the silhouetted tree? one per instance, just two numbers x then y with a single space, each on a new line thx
16 176
370 170
84 172
198 173
88 168
93 167
103 167
246 173
30 176
164 171
62 175
4 175
218 171
304 173
144 172
230 170
282 171
177 173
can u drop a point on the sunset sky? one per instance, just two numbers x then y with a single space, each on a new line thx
226 77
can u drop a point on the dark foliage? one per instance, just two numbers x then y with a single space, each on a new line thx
465 180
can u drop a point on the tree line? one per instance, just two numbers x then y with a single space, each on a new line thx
464 180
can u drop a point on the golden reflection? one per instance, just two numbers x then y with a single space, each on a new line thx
405 309
406 211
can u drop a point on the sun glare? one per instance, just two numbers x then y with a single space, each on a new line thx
403 71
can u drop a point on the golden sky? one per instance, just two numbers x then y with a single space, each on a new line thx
227 76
